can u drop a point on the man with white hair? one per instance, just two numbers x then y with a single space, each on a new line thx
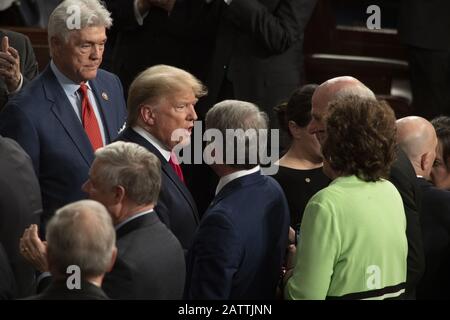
401 175
80 249
72 108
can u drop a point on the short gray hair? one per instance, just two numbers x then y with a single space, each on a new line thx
131 166
81 234
235 114
92 14
157 82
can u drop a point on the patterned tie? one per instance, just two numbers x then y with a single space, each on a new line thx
89 119
173 161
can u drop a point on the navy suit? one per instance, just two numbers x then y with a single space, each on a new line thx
150 262
435 222
175 207
239 247
42 120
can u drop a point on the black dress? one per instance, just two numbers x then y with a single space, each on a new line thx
299 186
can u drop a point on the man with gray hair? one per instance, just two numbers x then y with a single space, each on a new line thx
239 246
401 175
126 179
80 249
72 108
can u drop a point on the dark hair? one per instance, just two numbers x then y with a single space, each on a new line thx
442 126
297 109
360 137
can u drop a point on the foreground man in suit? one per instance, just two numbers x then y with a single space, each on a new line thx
17 64
80 234
401 175
71 109
239 246
161 101
126 178
417 138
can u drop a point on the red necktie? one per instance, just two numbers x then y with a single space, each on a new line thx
89 119
173 161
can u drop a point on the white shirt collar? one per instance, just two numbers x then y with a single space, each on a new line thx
137 215
235 175
155 142
70 87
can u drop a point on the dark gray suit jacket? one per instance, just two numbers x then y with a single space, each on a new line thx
20 206
150 262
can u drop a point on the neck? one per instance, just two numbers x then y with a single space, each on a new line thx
299 157
132 210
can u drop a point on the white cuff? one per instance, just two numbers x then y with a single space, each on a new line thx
18 87
139 17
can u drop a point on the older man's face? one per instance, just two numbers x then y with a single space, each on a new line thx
80 57
174 118
317 123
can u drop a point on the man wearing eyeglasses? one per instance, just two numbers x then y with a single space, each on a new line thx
160 103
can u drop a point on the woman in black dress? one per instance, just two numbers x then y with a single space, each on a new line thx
300 169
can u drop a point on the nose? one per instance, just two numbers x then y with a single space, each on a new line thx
97 51
312 126
192 115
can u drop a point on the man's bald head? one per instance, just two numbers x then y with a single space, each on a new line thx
328 91
417 137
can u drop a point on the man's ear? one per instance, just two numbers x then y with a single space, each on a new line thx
147 114
426 161
119 194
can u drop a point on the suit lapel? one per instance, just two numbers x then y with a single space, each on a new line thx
165 167
64 112
103 103
137 223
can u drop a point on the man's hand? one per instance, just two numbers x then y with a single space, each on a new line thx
9 65
33 249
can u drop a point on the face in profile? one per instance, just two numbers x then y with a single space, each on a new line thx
440 174
80 57
174 118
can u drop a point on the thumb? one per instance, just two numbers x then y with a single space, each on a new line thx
5 44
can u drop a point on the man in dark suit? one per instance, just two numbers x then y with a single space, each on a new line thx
150 261
423 28
17 64
71 109
258 50
7 281
161 116
401 174
239 246
20 206
126 179
80 250
418 139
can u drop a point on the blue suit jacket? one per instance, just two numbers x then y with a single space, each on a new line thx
42 120
239 247
176 207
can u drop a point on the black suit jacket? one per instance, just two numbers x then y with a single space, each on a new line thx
176 207
435 222
403 176
58 290
425 23
7 281
28 64
258 49
162 39
150 262
20 206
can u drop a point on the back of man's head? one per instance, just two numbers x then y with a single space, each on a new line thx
241 125
417 137
80 234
